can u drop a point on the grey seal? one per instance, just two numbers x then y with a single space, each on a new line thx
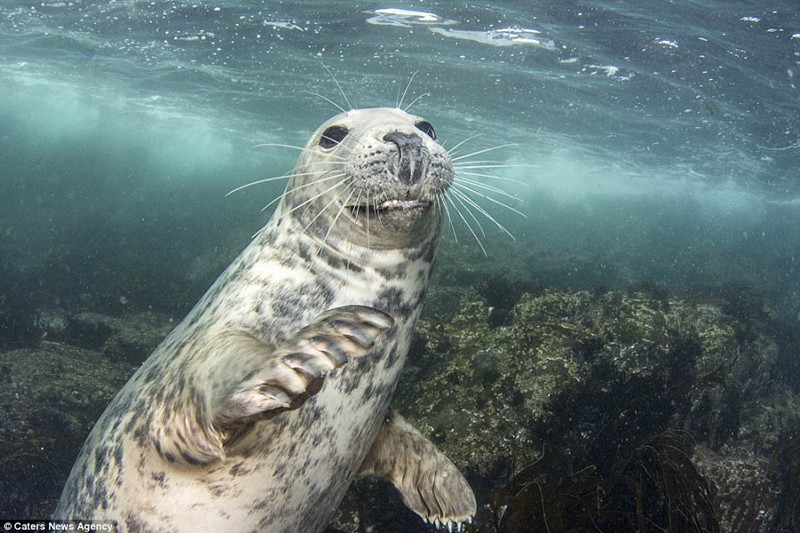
272 395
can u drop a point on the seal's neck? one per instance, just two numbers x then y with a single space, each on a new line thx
337 257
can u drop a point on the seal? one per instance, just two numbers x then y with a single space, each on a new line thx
272 395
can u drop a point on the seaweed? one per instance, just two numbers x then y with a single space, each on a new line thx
539 498
655 487
668 490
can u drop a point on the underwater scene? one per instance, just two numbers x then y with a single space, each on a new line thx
610 337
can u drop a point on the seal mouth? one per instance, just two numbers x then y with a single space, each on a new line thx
389 206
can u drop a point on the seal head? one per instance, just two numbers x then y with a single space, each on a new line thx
378 174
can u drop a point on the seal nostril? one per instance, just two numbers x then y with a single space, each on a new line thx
403 140
409 146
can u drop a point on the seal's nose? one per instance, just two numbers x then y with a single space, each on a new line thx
409 146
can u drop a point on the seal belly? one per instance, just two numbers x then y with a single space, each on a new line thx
289 473
308 458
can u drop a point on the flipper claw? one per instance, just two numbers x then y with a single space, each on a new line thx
276 395
429 482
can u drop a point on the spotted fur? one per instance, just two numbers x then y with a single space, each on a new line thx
162 459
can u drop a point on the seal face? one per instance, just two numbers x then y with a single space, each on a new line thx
387 180
265 402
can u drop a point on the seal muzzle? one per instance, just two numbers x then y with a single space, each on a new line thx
410 156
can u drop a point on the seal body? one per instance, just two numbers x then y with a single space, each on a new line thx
259 409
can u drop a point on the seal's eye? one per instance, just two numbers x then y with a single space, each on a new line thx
333 136
425 127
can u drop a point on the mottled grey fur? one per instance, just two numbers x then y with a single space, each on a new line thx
228 425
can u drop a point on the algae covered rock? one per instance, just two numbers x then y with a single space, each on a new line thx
130 338
581 380
50 398
604 409
52 394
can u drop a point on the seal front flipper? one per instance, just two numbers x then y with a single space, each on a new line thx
294 370
248 379
429 482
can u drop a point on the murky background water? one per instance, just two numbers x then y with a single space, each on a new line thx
659 138
647 143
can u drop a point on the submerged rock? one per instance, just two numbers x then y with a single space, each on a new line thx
579 380
50 398
131 338
574 394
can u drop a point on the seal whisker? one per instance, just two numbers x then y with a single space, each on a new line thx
334 104
358 200
484 162
472 166
486 187
368 217
330 73
492 176
273 202
311 199
415 100
316 181
441 206
378 201
408 85
482 211
326 206
265 180
461 215
443 203
289 191
483 151
463 187
461 198
452 151
342 207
